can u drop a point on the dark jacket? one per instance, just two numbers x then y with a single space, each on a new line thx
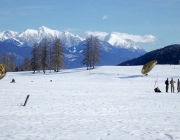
167 82
178 84
157 90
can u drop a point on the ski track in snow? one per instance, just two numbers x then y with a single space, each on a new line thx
107 103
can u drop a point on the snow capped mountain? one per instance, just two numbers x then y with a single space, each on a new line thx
116 40
30 36
68 39
7 35
115 47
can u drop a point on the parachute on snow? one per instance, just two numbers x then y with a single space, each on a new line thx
2 70
148 66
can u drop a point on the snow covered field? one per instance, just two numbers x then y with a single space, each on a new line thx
107 103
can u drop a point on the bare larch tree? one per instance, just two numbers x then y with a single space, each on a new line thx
36 58
58 55
91 52
44 54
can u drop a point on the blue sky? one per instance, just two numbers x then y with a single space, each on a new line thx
158 18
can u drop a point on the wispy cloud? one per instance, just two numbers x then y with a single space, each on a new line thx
4 13
49 7
135 38
32 10
31 7
105 17
5 16
70 29
101 35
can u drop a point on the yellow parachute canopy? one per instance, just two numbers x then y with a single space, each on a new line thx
148 66
2 70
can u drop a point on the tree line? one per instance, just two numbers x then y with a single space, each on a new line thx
49 55
45 56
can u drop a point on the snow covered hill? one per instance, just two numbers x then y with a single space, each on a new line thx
107 103
114 48
166 55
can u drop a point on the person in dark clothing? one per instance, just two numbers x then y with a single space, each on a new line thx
178 86
13 81
167 84
157 90
172 85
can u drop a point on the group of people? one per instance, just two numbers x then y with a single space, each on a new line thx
171 82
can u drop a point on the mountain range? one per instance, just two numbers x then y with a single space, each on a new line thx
114 48
167 55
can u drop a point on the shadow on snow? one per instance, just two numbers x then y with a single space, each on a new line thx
131 76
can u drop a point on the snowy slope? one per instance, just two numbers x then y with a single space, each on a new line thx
107 103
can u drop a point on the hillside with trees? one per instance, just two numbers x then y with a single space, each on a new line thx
167 55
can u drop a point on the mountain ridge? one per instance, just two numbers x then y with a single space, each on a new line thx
38 35
114 49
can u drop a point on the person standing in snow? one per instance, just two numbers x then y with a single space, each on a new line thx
178 86
167 84
172 85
